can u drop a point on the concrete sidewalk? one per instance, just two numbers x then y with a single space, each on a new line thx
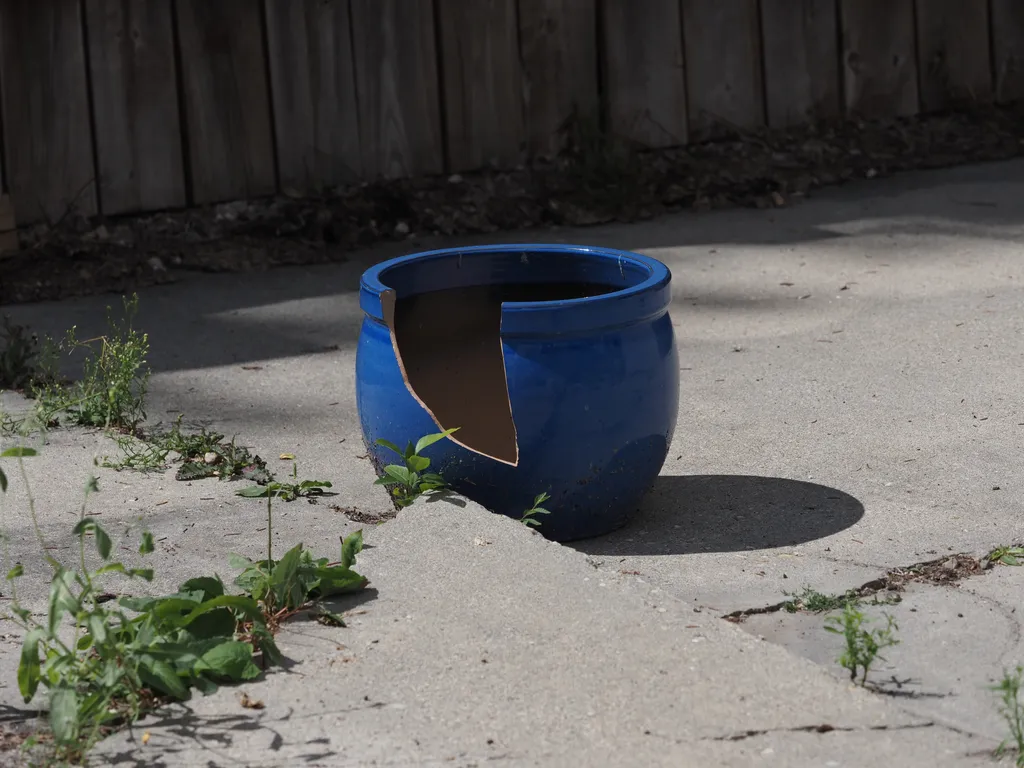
850 403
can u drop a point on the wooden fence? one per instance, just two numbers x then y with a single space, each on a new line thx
117 106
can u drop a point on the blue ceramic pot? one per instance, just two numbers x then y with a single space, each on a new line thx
557 363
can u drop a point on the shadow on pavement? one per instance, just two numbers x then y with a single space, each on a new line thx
728 513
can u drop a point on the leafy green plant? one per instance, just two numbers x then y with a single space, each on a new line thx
112 391
1007 555
296 489
862 645
1012 710
18 351
126 657
408 481
529 516
297 581
226 461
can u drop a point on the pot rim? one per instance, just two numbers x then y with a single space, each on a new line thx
643 301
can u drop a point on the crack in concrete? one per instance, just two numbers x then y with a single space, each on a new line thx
819 728
947 570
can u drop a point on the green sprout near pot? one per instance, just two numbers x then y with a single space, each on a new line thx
408 481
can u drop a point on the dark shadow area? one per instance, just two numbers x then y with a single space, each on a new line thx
208 320
177 730
728 513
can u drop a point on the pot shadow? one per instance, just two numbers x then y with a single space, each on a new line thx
728 513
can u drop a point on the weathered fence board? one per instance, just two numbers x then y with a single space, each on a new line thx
226 99
47 134
135 105
645 83
397 87
879 63
314 93
953 53
801 61
558 48
1008 49
483 84
723 66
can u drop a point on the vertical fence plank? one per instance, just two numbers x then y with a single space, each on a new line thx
135 105
953 53
801 61
483 84
879 64
723 66
47 132
226 99
645 83
314 93
558 47
397 87
1008 49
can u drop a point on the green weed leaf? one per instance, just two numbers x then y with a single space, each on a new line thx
255 491
390 446
28 667
161 676
18 451
231 660
146 545
351 545
64 715
417 463
428 440
16 572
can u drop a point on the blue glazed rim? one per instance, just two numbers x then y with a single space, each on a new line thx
645 297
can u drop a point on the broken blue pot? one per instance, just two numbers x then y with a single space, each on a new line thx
557 364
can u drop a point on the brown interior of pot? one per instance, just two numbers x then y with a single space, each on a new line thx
448 345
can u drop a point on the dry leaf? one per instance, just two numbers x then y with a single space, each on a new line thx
250 703
287 457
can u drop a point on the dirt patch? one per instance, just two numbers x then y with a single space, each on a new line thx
596 180
359 516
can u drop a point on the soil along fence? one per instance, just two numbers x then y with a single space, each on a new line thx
119 106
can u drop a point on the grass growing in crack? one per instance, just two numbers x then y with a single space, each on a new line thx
119 659
1006 555
112 390
862 645
813 601
308 489
530 516
1012 709
408 481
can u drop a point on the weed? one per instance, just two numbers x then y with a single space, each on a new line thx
1006 555
407 483
112 391
297 581
529 516
137 454
308 489
862 645
1012 710
18 352
226 461
813 601
125 657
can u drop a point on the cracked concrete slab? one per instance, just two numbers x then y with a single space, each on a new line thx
849 403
